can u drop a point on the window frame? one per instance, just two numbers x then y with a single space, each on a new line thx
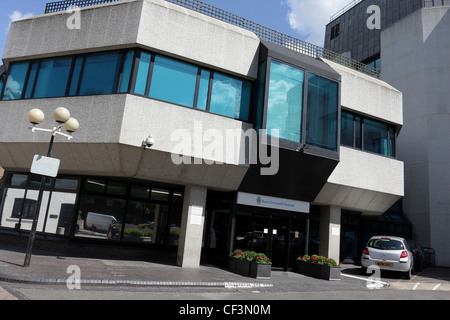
77 72
262 98
389 135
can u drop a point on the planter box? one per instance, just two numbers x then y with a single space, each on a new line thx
318 271
260 270
330 273
250 269
242 267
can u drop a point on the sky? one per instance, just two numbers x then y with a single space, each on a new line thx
303 19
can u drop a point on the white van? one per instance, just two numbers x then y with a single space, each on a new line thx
99 222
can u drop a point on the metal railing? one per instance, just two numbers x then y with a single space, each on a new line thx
262 32
345 9
64 5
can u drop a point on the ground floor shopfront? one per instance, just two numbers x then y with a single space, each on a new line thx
190 224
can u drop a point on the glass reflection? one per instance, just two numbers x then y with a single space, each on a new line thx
285 104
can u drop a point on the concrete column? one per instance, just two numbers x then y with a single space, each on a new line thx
192 221
330 232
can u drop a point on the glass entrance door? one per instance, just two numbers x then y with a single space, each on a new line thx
279 237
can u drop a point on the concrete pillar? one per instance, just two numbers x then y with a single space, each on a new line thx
330 232
192 221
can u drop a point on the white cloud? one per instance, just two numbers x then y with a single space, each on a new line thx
17 15
309 17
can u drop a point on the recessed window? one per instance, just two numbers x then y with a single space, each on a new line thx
52 78
100 73
142 73
335 31
367 134
129 71
173 81
230 97
16 80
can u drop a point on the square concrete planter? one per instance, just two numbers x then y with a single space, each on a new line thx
318 271
260 270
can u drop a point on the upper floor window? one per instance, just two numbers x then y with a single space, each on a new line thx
367 134
301 105
335 31
285 101
132 71
322 114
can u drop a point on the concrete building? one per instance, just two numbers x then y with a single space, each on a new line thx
412 49
246 135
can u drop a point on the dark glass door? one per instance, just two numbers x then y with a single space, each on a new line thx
279 237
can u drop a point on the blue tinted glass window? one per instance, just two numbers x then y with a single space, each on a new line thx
392 142
322 112
31 80
346 129
100 73
260 101
285 101
2 83
203 88
173 81
126 71
375 137
75 76
358 143
52 78
16 79
230 97
142 74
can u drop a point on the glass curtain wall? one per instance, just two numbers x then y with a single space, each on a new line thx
133 71
285 110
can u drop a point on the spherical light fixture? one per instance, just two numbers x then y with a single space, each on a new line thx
36 116
71 125
61 115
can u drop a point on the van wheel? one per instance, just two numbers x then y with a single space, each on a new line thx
93 229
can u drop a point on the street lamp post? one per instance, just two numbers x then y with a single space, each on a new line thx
36 116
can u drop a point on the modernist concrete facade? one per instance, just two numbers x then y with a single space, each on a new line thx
108 146
413 51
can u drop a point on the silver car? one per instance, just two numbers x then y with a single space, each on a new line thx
388 253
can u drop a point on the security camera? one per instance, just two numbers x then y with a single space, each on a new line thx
148 142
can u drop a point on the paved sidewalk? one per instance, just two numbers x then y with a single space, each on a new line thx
48 269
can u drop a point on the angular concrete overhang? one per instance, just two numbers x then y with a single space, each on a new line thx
155 25
369 96
109 141
363 181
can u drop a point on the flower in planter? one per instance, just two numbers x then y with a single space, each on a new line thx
320 260
261 258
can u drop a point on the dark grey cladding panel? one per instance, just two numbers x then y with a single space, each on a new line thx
314 65
301 176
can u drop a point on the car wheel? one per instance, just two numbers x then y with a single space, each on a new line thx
409 272
364 271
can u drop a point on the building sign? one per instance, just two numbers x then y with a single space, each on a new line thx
257 200
45 166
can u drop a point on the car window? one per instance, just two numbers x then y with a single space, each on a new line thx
385 244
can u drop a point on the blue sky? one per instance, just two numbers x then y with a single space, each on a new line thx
304 19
